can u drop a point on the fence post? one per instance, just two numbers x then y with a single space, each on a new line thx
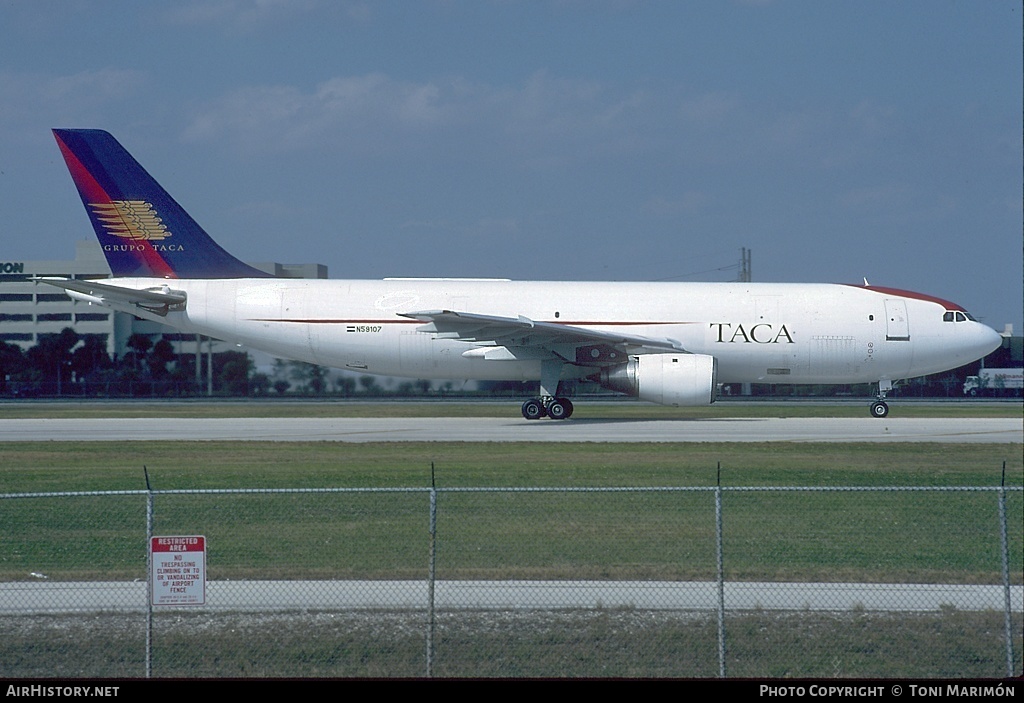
149 575
721 573
431 574
1005 542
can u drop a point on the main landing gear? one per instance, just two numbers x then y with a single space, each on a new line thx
555 408
548 404
880 408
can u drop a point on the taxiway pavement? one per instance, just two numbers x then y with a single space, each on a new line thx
439 429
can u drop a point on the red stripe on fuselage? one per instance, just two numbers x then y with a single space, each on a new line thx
390 321
92 192
898 292
303 321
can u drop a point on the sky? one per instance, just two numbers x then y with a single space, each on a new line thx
553 140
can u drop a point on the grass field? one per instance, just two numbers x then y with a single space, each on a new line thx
601 643
59 466
877 536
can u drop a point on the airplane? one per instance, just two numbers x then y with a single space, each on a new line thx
668 343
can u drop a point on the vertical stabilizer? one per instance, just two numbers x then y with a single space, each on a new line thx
142 230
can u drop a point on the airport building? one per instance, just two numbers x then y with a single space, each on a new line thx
30 311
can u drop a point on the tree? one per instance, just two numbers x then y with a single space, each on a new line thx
161 355
12 363
369 384
310 377
345 385
259 383
279 376
90 358
139 344
50 358
318 379
949 382
233 375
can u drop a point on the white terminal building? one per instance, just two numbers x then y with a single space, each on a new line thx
30 311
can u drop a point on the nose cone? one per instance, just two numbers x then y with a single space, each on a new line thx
954 344
983 340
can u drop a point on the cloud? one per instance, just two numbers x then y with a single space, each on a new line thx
709 109
548 123
900 203
342 110
238 15
375 112
28 98
688 201
873 119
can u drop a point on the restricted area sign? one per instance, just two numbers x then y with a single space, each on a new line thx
179 570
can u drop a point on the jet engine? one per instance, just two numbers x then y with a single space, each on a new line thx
668 379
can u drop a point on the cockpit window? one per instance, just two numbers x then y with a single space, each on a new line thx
957 316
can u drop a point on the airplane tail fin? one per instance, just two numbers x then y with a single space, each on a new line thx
142 230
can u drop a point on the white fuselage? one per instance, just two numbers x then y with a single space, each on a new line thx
758 332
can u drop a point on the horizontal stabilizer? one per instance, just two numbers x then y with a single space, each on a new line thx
157 301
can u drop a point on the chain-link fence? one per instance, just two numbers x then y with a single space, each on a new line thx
622 582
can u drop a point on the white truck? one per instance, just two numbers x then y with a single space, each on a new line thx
995 382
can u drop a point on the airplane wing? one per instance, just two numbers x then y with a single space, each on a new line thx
522 338
158 301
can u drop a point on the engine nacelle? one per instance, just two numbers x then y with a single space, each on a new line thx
668 379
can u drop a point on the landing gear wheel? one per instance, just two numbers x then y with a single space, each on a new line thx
879 409
533 409
559 409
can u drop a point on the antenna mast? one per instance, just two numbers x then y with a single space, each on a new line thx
745 265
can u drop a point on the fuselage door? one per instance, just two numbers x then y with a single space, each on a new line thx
897 325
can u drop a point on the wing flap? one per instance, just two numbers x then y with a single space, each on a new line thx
526 338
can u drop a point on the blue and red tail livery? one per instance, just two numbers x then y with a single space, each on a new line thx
142 230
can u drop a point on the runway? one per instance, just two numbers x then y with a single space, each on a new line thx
424 429
35 598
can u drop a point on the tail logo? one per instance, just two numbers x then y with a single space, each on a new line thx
130 219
